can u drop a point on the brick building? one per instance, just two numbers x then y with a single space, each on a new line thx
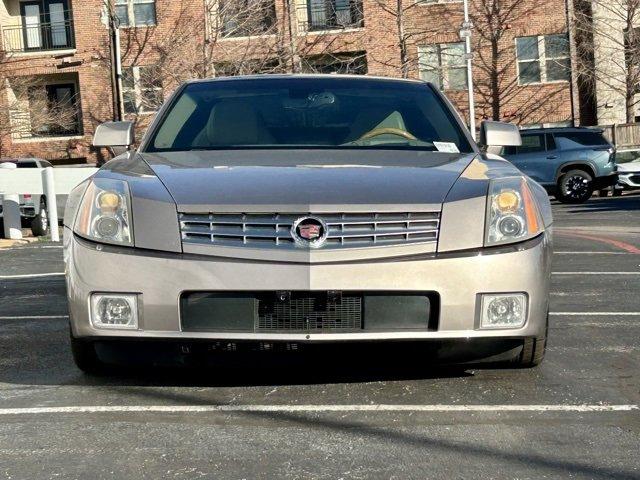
64 49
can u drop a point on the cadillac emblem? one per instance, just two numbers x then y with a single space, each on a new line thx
309 232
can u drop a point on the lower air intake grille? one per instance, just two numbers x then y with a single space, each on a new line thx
310 314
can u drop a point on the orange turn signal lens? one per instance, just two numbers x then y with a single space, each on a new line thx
530 210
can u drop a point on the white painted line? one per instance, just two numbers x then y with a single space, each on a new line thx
31 275
34 247
595 273
593 253
595 314
35 317
315 408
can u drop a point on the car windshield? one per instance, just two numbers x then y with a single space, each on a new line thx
308 112
628 156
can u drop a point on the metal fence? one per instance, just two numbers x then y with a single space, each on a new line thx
39 37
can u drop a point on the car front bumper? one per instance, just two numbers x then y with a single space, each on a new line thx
629 180
160 279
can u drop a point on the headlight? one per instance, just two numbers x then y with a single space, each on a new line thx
105 212
512 213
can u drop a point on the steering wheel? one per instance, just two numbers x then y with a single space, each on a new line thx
376 132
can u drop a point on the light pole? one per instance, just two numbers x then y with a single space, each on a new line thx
465 34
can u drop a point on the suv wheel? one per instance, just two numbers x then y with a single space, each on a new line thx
575 186
40 224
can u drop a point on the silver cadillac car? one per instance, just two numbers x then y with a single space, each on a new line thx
278 213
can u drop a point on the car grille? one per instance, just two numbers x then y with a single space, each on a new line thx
310 314
344 229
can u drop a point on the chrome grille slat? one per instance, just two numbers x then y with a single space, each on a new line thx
345 230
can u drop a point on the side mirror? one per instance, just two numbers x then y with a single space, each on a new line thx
499 134
117 136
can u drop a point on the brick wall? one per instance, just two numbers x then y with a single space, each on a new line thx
178 43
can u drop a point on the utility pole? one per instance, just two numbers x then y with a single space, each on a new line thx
113 23
465 33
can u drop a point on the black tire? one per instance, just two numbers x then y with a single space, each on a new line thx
85 357
603 193
40 224
533 350
575 186
617 192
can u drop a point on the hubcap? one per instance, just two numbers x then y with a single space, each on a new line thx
44 219
576 186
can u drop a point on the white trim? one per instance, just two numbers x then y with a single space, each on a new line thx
336 31
579 408
48 139
43 53
428 3
246 37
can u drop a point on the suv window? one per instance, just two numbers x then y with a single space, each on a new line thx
530 144
586 139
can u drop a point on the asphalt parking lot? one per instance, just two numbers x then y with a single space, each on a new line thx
576 416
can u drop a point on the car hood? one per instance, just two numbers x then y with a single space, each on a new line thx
629 167
307 180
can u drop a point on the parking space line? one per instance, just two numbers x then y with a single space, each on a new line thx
595 273
595 314
31 275
580 408
591 253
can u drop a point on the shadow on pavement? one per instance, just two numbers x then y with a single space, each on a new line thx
38 353
625 203
473 449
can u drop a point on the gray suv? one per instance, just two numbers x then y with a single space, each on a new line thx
569 162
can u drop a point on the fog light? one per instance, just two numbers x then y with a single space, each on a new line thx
114 311
504 311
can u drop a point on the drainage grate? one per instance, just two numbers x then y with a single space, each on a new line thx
310 314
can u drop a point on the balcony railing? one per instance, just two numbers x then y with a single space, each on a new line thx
333 15
39 37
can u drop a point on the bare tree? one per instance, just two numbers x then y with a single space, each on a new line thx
235 37
404 23
608 50
30 112
494 56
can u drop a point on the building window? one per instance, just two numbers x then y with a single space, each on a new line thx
342 63
543 59
135 13
141 89
246 18
443 65
333 14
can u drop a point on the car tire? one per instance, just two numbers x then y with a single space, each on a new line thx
40 224
575 186
85 357
617 192
533 350
603 193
